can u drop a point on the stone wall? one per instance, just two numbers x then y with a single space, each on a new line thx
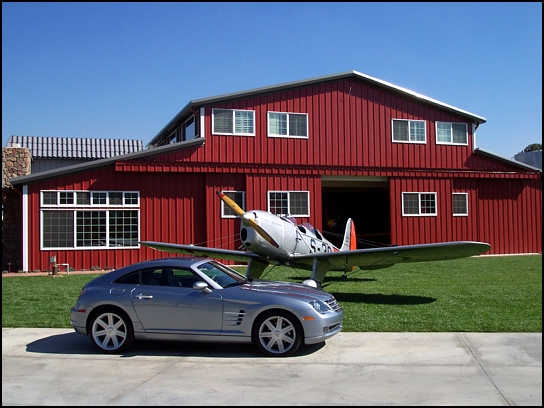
16 162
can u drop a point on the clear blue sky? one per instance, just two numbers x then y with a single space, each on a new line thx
124 70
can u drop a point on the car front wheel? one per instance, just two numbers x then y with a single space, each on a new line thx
277 333
111 331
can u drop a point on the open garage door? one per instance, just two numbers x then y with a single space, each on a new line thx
363 199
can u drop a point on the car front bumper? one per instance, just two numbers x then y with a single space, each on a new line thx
323 328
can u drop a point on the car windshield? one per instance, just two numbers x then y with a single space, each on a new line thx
223 275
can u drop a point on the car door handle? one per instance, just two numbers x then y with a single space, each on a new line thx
142 296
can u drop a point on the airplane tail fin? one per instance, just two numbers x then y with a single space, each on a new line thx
350 239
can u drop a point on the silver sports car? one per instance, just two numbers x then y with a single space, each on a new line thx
196 299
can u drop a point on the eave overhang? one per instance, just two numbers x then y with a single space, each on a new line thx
101 163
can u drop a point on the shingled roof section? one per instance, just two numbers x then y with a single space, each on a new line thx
75 148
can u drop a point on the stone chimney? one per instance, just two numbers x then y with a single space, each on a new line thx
16 161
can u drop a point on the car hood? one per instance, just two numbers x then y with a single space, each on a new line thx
286 289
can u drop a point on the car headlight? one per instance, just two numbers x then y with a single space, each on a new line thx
320 307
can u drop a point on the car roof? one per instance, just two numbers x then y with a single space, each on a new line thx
179 260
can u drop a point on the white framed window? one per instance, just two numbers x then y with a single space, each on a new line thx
189 129
233 122
90 219
67 198
239 197
294 203
282 124
451 133
419 204
460 204
409 131
172 138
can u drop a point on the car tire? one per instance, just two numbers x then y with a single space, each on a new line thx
111 331
277 333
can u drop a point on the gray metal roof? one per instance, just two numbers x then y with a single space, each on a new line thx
75 148
196 103
109 161
505 160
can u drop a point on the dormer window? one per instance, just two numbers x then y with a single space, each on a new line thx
233 122
451 133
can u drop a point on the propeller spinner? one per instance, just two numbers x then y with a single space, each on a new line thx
248 219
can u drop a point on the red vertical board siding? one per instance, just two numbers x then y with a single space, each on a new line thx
349 124
515 233
501 213
169 204
221 232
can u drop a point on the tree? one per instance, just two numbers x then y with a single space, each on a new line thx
533 147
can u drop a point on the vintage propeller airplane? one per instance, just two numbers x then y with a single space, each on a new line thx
277 239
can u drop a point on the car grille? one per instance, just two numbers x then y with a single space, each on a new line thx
333 304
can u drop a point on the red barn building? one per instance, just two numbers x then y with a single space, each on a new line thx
405 167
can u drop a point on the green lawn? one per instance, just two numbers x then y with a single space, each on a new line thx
483 294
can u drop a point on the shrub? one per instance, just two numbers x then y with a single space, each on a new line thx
95 268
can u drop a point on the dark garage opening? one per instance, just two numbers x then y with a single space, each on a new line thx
367 206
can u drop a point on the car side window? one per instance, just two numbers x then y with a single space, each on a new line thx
130 279
152 277
167 276
186 277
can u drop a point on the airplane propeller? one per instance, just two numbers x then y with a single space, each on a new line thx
248 218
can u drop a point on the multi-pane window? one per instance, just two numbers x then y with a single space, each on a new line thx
287 124
123 228
58 229
91 228
409 131
233 122
295 203
172 138
90 219
460 204
50 197
83 197
419 204
451 133
238 197
66 197
131 198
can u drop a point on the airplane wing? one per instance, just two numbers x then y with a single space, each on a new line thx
233 255
374 258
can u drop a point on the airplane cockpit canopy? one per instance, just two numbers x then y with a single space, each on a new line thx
305 227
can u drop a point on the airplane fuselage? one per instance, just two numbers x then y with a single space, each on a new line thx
290 237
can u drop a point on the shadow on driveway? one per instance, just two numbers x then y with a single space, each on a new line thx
77 344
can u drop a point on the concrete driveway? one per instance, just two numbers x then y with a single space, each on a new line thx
60 367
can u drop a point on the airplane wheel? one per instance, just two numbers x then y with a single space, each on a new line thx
310 282
277 333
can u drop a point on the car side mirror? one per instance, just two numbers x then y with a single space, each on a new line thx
203 286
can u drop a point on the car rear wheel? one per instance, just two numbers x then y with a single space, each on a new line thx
277 333
111 331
